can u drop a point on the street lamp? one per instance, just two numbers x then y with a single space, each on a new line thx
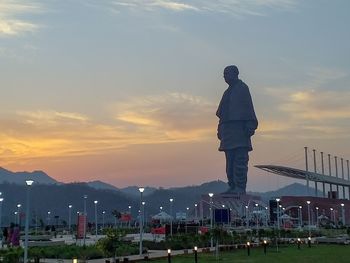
343 214
141 190
1 200
85 218
69 217
143 214
332 214
171 216
103 219
96 202
246 215
300 216
195 211
211 218
257 217
18 214
48 218
187 209
308 216
29 183
278 213
129 215
317 216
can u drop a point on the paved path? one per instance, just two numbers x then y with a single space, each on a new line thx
152 254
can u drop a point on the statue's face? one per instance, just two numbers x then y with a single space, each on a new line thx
230 77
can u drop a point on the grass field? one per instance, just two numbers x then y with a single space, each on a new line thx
317 254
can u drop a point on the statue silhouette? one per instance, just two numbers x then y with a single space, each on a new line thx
237 124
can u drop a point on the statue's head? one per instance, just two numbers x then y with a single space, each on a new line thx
231 74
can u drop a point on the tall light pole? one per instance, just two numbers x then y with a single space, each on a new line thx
129 215
343 214
141 190
317 216
1 200
246 216
300 216
278 213
195 211
103 219
69 218
96 202
211 218
18 215
85 218
332 214
187 209
266 216
26 230
48 217
257 218
171 216
308 216
143 214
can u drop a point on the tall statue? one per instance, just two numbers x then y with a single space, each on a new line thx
236 126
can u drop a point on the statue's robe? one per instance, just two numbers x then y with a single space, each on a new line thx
237 118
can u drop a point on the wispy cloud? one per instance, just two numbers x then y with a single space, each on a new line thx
310 109
167 118
233 7
12 22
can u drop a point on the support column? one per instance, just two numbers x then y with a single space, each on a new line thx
323 184
330 173
336 173
342 175
315 170
347 165
307 175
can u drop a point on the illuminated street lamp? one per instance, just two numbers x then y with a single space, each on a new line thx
96 202
1 200
309 216
195 211
26 230
85 220
332 214
246 215
18 214
211 217
300 216
317 216
69 217
171 216
141 190
48 218
343 214
278 213
103 219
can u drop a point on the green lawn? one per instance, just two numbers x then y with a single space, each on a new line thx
317 254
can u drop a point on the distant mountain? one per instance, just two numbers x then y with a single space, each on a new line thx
99 185
295 189
39 177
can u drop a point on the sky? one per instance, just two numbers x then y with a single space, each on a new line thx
125 91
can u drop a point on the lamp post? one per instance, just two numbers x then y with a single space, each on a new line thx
308 216
171 216
266 216
317 216
69 217
85 219
187 208
129 215
332 214
143 214
103 219
246 216
29 184
278 213
257 217
300 216
48 217
18 215
96 202
195 211
1 200
343 214
211 218
141 190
